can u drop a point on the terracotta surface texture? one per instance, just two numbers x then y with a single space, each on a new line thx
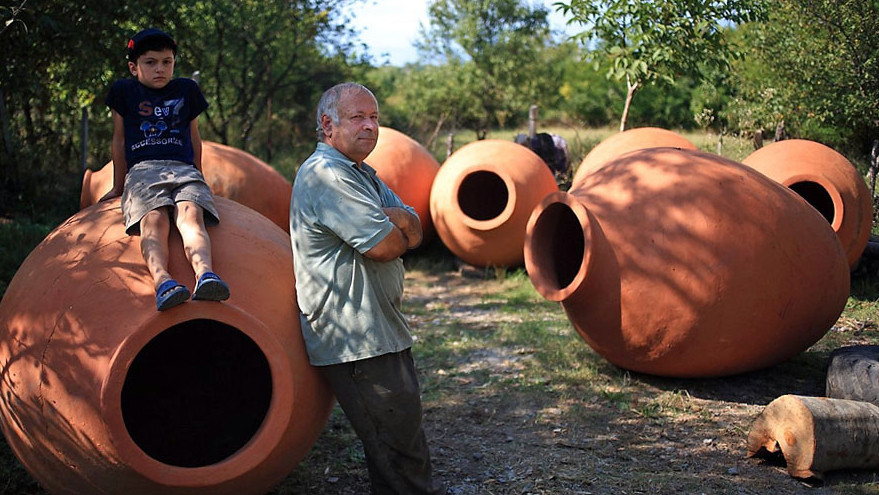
102 394
681 263
623 142
827 181
232 173
482 197
408 169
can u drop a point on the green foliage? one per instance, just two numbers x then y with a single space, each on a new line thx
262 67
435 97
814 65
487 50
647 41
17 240
48 75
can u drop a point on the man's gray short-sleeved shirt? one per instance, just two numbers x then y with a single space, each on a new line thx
350 304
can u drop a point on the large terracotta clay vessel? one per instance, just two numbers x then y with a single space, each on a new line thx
102 394
231 173
408 169
827 181
682 263
482 197
623 142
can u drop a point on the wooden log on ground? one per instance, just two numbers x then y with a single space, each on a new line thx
853 373
817 434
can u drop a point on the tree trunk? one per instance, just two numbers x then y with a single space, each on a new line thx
4 124
853 374
631 87
435 133
817 434
874 170
450 144
780 131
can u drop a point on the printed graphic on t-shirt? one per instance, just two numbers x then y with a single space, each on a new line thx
156 131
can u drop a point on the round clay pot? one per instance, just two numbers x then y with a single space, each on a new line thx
103 394
827 181
682 263
623 142
231 173
408 169
482 197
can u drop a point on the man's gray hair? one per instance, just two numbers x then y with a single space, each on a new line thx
329 103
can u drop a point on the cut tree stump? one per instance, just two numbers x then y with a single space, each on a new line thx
817 434
853 373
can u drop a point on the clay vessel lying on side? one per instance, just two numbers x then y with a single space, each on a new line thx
624 142
482 197
681 263
232 173
102 394
408 169
827 181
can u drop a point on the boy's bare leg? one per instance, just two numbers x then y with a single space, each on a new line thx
196 242
154 229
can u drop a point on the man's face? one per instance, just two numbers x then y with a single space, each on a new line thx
154 69
357 131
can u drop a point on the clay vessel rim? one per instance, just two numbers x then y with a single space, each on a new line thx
829 187
249 456
541 280
504 215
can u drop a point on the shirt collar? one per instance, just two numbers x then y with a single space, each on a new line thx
327 149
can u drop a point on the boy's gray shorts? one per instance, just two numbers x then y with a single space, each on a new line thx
156 183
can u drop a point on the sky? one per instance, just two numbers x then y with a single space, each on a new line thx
390 27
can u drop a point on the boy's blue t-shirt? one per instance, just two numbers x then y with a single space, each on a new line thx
157 121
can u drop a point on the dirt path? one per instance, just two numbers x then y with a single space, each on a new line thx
496 426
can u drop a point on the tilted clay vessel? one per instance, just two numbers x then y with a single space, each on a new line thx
102 394
482 197
408 169
682 263
827 181
232 173
624 142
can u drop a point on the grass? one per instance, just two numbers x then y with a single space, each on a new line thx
582 140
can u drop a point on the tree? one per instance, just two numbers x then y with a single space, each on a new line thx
495 49
649 41
261 59
262 66
58 58
437 97
820 70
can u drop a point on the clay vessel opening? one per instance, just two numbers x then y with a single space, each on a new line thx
196 393
483 195
816 195
558 247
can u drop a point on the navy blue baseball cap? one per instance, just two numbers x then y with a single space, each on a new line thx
149 39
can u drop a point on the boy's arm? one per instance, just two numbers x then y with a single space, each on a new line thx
120 166
195 137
